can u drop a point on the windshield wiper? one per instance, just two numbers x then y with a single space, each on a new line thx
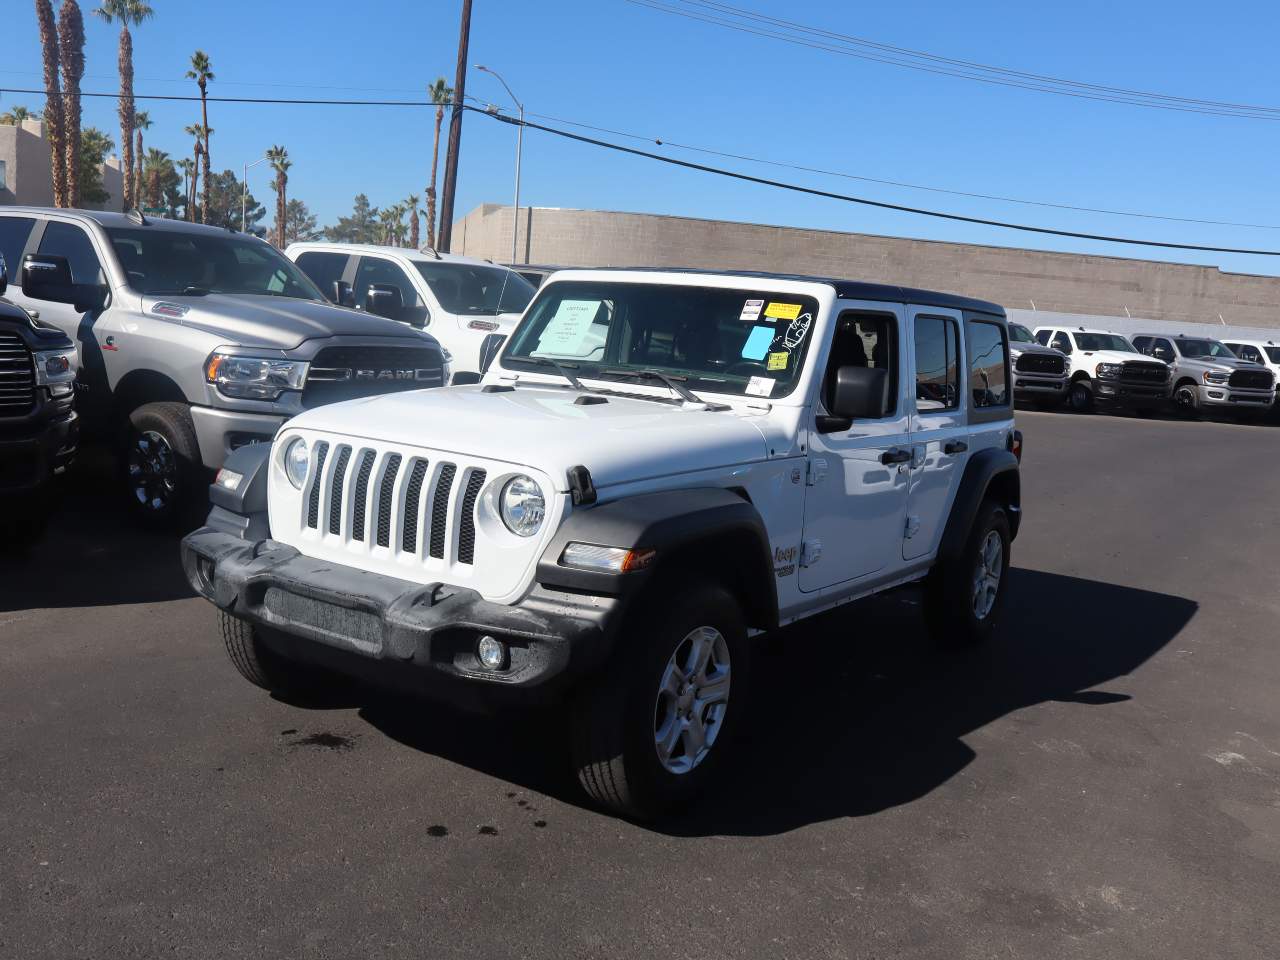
685 394
564 369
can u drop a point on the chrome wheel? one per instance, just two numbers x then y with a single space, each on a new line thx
692 699
986 575
153 471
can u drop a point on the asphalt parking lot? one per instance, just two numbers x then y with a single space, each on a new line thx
1103 780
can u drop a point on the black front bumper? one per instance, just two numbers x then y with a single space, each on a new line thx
413 636
1124 393
37 445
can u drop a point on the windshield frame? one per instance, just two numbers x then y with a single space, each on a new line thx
293 272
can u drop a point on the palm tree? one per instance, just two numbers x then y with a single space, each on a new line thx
185 166
195 130
71 53
18 114
411 208
202 72
129 13
440 93
141 121
53 103
278 157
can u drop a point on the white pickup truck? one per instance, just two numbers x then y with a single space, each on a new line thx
658 466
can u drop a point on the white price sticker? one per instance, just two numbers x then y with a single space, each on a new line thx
760 386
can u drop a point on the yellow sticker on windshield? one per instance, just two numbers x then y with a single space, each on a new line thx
782 311
778 361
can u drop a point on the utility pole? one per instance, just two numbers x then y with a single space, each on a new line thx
455 133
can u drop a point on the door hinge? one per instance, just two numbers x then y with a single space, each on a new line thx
912 527
816 471
810 552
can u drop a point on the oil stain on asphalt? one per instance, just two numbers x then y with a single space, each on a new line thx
325 741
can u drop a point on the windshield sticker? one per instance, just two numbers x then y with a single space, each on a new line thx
760 386
797 331
758 343
566 333
751 311
778 361
782 311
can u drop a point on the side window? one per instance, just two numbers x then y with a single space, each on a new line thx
1061 342
14 232
1163 349
66 240
323 268
1042 337
937 364
863 340
1246 352
988 363
1141 344
377 270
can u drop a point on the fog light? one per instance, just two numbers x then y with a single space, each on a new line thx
492 653
228 479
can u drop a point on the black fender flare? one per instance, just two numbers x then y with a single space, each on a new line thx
242 512
993 470
710 526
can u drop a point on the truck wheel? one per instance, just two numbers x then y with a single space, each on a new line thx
1080 397
1186 398
265 668
163 472
964 596
655 728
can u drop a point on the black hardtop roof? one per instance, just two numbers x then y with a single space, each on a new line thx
845 289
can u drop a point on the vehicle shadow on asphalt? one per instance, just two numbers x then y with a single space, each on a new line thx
854 712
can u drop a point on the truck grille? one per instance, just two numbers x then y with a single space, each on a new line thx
419 508
1252 380
1138 372
1041 363
17 376
345 373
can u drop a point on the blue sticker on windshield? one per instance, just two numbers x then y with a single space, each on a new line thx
758 343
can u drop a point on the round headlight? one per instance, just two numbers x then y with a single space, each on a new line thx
297 458
523 506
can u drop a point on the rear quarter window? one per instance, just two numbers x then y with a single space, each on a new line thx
988 345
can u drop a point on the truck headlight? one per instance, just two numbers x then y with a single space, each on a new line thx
1109 371
254 378
297 461
55 366
523 506
1216 376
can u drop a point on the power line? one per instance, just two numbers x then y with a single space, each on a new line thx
299 101
919 211
1005 79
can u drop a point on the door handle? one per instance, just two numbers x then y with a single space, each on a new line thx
895 455
955 446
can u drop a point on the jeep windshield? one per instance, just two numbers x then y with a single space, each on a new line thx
174 263
742 342
470 289
1090 342
1204 348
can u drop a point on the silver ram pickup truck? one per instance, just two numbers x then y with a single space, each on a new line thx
196 340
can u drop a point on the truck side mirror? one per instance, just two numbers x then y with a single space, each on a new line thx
860 393
384 300
342 295
48 277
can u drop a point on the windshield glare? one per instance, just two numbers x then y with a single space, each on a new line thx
1103 341
1203 348
742 342
1020 334
467 288
170 263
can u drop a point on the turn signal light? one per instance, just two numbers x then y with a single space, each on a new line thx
1015 444
589 556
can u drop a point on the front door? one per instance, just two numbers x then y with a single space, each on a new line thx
939 433
859 471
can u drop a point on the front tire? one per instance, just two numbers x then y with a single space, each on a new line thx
653 731
965 595
264 668
163 476
1186 399
1080 397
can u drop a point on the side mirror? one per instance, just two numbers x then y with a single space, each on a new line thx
860 393
48 277
384 299
342 295
464 377
4 275
1160 353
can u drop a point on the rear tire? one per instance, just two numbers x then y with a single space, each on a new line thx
265 668
654 729
965 595
163 476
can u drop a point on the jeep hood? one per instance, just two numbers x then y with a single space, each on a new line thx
280 323
622 440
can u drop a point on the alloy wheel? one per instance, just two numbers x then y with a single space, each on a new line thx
987 573
153 471
693 696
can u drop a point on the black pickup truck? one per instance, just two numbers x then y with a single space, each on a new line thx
38 425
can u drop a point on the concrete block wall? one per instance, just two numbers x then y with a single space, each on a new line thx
1016 278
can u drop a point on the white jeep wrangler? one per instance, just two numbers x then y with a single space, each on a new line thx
659 466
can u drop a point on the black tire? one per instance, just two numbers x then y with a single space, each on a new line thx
950 591
1080 397
1186 398
614 718
164 480
265 668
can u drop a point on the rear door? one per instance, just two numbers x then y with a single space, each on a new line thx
938 426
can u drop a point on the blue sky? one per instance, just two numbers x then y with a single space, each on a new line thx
624 66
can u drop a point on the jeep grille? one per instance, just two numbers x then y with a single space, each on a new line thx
345 373
17 377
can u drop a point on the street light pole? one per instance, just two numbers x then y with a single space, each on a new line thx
515 219
244 194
